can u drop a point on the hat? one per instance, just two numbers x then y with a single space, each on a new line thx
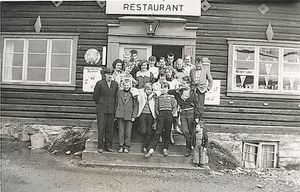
107 71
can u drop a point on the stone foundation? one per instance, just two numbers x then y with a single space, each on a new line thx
53 135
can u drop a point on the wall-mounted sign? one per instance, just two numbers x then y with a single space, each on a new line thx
90 77
212 97
92 56
154 7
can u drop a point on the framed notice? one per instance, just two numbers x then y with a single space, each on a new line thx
90 77
212 97
154 7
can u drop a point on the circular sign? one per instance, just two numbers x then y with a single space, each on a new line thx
92 56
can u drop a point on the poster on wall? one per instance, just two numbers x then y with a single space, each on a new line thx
90 77
212 97
154 7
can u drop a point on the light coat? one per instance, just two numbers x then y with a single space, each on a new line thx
142 99
201 85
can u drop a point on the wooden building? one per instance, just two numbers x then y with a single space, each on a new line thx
254 51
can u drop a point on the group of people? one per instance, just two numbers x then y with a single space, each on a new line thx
158 97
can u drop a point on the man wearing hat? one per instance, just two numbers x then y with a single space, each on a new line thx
105 93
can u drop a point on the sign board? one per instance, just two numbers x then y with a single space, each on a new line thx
212 97
154 7
90 77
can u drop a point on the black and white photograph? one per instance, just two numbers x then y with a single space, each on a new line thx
150 96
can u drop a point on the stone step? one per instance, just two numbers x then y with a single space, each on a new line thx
92 145
157 160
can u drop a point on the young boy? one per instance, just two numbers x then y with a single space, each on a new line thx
189 111
165 108
200 151
126 113
146 114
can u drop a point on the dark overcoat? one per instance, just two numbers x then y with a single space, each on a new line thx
105 97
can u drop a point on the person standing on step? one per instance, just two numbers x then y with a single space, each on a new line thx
170 59
146 114
200 158
135 61
189 111
126 113
165 108
199 77
104 95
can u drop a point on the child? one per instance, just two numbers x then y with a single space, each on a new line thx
126 113
179 69
146 114
152 68
189 111
157 85
127 75
144 76
165 108
200 151
170 72
162 64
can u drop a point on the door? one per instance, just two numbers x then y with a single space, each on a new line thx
144 51
162 51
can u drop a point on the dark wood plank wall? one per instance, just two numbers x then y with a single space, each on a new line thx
225 19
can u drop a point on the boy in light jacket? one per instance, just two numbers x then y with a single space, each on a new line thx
126 113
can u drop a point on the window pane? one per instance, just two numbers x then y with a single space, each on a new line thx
268 156
244 81
244 65
60 75
17 73
14 46
61 46
244 53
37 60
291 55
13 59
268 68
60 61
291 83
37 46
269 54
36 74
250 156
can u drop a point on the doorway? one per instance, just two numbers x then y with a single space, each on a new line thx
162 50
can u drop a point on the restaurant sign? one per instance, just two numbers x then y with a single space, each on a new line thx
154 7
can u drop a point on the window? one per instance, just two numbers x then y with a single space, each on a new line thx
46 60
263 67
260 154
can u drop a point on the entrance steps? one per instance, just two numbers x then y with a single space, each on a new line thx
135 157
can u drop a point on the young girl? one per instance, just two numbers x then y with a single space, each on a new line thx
144 76
146 114
200 151
126 113
118 70
152 68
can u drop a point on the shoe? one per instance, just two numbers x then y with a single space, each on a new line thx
109 150
145 150
126 150
100 150
200 165
187 153
165 152
120 150
150 152
177 130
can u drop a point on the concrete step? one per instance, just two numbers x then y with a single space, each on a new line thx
138 160
92 145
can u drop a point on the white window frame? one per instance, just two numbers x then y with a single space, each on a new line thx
47 84
256 92
259 155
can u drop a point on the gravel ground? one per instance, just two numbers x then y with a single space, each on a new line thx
25 170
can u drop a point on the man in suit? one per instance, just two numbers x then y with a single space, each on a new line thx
105 93
199 76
